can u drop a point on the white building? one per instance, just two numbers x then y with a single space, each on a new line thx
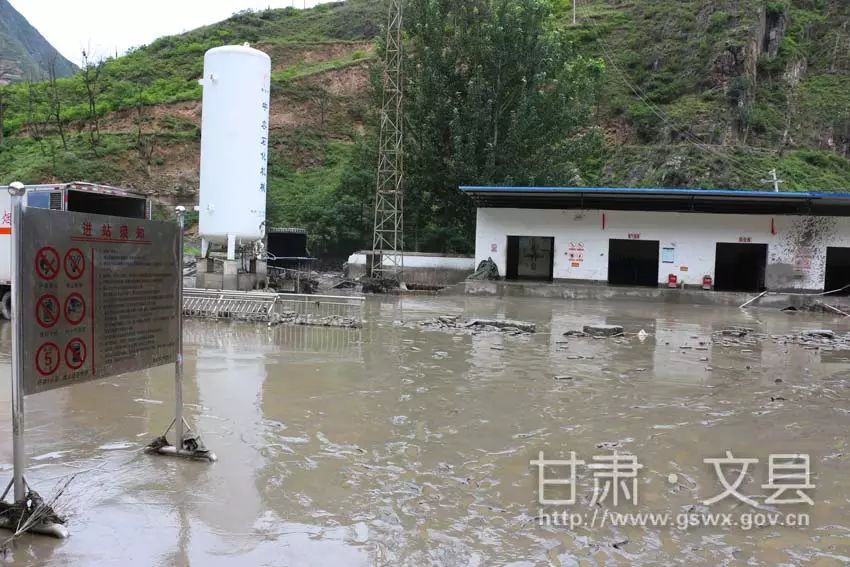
741 240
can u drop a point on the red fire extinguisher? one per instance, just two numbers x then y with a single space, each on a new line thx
707 282
672 281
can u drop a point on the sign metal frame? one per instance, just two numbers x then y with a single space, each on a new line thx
25 327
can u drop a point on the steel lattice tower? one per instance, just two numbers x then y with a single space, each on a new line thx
387 243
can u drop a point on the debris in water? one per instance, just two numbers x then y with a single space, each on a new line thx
575 334
116 446
529 434
308 320
506 326
818 334
738 332
603 330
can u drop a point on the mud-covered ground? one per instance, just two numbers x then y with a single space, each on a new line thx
402 445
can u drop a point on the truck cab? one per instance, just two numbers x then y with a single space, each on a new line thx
78 197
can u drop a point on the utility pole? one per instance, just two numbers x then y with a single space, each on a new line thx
387 260
574 11
774 179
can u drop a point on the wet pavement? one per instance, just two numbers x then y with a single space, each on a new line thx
394 445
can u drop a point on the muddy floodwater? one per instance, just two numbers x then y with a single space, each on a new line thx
394 445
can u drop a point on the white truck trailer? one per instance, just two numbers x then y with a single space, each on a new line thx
78 197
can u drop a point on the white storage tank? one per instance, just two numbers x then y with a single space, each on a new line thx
234 145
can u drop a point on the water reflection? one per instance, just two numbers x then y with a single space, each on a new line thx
397 446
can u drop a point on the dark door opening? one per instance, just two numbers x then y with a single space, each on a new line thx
837 270
633 262
530 258
740 267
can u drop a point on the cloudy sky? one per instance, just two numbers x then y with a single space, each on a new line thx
108 26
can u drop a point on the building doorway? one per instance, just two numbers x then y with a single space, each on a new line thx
633 262
740 267
531 258
837 270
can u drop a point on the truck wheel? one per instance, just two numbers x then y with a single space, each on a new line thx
6 305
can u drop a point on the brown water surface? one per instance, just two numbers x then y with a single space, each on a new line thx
398 446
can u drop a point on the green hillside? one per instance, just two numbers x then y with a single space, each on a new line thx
695 93
718 93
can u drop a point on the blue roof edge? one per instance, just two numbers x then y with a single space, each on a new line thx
658 190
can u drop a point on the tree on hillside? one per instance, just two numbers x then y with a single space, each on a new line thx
39 112
145 143
494 95
91 81
54 100
33 104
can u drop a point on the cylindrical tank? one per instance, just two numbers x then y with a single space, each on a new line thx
234 144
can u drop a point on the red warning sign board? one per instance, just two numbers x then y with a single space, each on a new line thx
100 296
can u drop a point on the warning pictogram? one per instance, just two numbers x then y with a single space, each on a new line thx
75 309
47 311
47 263
47 359
75 354
75 263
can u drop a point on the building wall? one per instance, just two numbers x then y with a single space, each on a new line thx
421 268
796 245
420 260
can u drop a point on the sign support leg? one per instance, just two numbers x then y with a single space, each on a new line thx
28 505
17 344
186 445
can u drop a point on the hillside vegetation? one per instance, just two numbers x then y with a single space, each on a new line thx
702 93
717 93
